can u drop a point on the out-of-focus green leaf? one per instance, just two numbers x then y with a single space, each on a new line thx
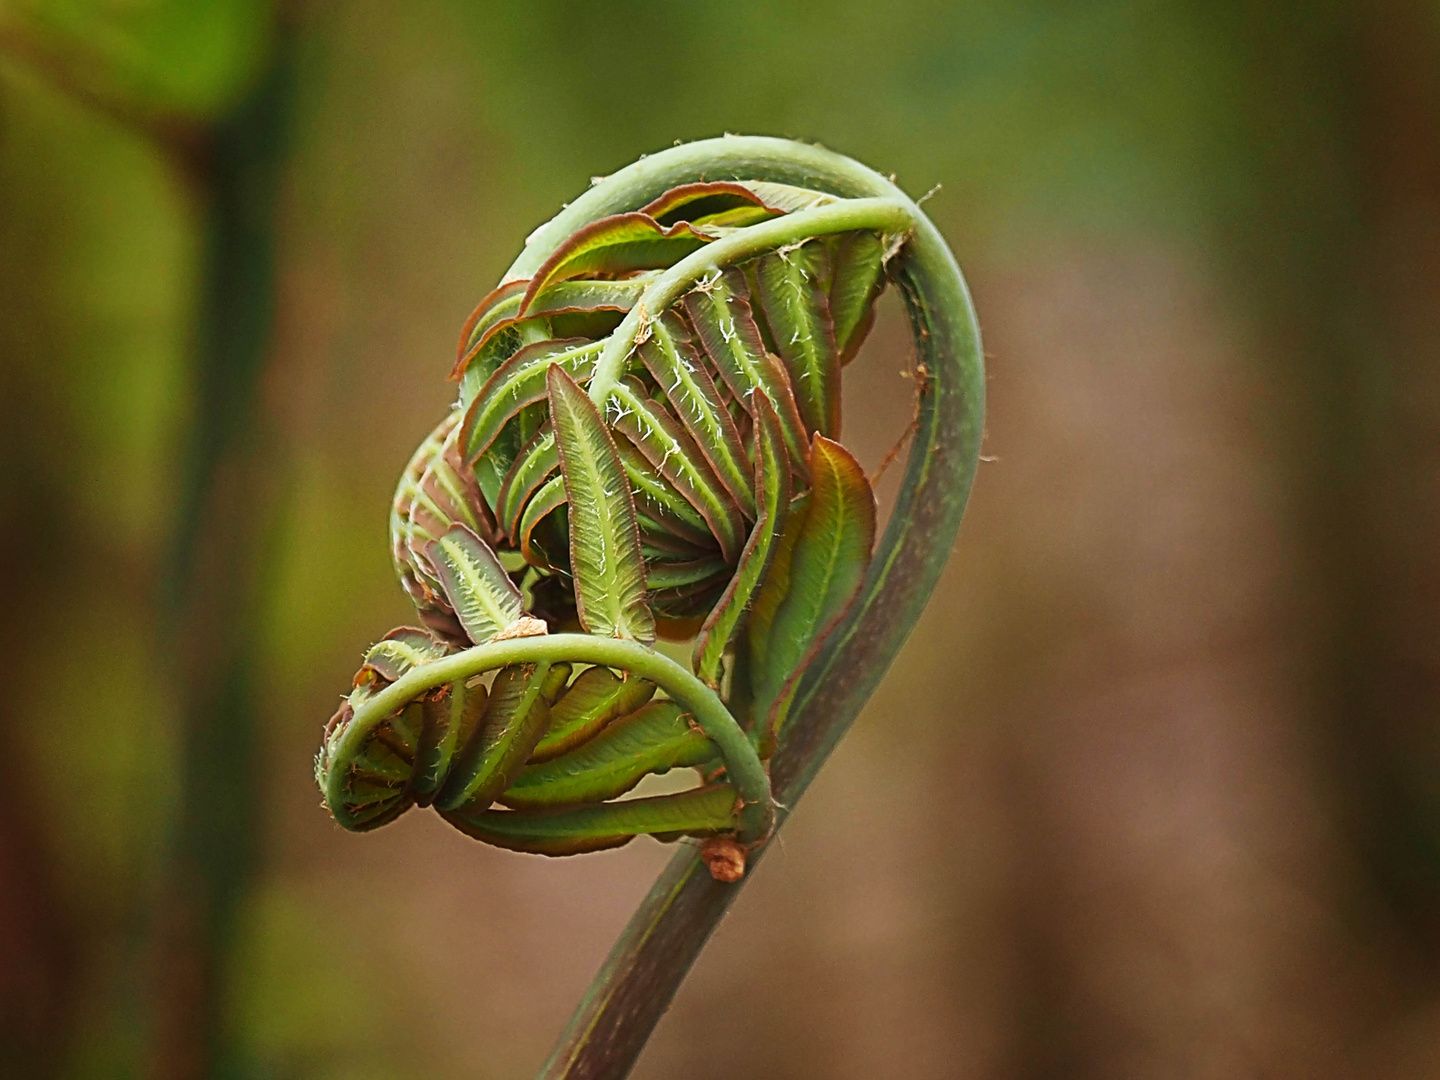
175 55
605 561
573 830
659 737
482 595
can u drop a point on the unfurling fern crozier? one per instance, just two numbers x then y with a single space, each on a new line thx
646 445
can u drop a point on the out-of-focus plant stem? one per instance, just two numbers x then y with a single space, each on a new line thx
219 540
231 164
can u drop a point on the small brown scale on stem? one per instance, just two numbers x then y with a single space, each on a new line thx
724 858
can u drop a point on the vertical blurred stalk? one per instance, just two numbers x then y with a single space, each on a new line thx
220 538
1354 292
1381 496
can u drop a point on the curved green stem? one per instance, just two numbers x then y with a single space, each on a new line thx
881 214
649 961
742 766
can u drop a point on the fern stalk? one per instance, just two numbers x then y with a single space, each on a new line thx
653 954
646 444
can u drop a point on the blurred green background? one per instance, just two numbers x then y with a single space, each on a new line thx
1154 789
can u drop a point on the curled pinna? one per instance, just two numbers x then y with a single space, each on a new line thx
646 444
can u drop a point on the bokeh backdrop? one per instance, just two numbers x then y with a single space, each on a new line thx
1154 788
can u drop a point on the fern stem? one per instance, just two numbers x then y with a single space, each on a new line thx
652 956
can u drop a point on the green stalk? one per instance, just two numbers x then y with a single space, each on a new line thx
212 586
639 979
742 766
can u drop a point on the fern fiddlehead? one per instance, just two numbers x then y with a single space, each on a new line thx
645 443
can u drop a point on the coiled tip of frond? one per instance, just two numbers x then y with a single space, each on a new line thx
645 444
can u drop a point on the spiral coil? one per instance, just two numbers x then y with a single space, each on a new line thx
645 445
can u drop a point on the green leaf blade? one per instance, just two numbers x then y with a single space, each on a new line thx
536 463
572 831
613 246
858 277
518 382
731 203
830 552
666 445
550 498
772 486
376 777
480 592
671 574
435 491
792 291
654 739
596 698
515 718
725 325
669 357
400 651
449 718
562 298
605 559
497 309
657 499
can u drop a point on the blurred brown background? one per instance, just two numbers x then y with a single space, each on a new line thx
1154 789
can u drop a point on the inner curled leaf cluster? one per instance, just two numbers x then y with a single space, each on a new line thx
645 445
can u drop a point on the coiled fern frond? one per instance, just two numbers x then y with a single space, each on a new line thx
646 443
